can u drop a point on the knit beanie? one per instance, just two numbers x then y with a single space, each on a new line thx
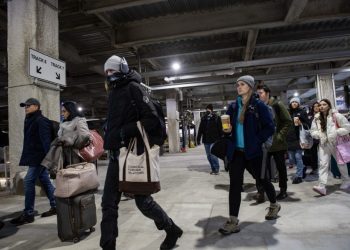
113 63
248 80
295 99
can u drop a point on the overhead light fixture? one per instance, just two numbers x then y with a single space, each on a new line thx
296 94
225 107
80 109
176 66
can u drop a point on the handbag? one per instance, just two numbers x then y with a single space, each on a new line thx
342 146
139 174
94 149
306 140
76 179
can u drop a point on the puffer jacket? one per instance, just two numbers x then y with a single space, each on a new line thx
128 103
339 128
73 135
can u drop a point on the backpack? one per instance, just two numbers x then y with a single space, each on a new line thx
160 115
55 126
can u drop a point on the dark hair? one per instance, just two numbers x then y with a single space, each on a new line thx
71 107
264 87
210 106
311 111
323 118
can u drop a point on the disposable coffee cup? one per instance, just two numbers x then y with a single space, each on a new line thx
225 120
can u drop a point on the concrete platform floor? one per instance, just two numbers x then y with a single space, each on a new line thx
198 202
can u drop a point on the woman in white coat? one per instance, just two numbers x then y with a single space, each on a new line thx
326 126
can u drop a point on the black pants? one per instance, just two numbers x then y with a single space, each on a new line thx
278 156
236 170
110 200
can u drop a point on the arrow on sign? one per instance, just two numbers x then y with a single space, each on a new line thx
58 76
38 69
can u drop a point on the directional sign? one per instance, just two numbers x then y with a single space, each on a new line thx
47 68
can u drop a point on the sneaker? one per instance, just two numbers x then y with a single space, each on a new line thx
291 166
230 226
297 180
22 219
273 211
282 195
345 185
313 172
51 212
320 190
214 172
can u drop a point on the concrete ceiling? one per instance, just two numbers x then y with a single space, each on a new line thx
284 43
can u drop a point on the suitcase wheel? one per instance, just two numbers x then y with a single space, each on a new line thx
76 240
92 229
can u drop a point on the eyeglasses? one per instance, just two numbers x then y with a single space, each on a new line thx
28 105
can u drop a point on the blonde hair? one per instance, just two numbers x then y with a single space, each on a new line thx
245 106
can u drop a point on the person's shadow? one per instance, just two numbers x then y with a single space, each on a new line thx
261 233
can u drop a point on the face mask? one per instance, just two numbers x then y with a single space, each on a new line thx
115 78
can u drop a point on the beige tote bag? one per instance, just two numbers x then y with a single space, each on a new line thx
139 174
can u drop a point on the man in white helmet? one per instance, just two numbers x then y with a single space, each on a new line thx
127 104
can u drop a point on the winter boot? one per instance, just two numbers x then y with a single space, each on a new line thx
172 234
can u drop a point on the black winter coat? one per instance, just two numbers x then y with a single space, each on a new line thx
37 139
123 115
293 134
210 128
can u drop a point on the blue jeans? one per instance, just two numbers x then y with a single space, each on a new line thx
33 173
296 157
213 160
110 202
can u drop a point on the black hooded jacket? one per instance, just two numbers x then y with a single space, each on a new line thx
123 115
293 134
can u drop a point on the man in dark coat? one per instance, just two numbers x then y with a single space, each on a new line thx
37 139
211 130
128 103
283 123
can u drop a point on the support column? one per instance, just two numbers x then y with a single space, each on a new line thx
325 88
197 121
173 123
31 24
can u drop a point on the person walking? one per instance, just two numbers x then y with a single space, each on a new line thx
36 143
251 126
211 129
127 103
73 134
295 152
327 125
311 153
279 145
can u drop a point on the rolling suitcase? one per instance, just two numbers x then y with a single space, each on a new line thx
75 215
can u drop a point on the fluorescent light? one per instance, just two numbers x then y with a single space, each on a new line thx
80 109
176 66
296 94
